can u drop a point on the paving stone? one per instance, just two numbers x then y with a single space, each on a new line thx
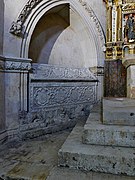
61 173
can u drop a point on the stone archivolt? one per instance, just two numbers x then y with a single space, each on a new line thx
95 20
17 27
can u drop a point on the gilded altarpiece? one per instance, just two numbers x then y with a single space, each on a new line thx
120 45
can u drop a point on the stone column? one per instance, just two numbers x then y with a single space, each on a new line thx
3 135
14 73
109 24
119 23
1 25
130 65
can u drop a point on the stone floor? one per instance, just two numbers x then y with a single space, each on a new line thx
37 160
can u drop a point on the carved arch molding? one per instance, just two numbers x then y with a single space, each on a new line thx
18 28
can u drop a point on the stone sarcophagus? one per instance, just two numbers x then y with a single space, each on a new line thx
58 97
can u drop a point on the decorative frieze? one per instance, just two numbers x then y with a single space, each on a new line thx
53 86
129 1
11 63
57 95
46 71
129 8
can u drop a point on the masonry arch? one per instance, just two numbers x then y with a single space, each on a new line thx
92 50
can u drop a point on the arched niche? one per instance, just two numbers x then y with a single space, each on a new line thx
88 39
61 38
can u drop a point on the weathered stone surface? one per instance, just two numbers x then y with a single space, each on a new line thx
114 78
115 160
55 72
60 173
52 119
99 134
55 102
120 111
3 136
30 160
37 160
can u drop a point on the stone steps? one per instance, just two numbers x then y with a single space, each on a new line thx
113 135
109 159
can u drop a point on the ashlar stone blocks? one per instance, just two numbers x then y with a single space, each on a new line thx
119 111
107 135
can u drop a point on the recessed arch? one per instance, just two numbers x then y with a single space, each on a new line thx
45 6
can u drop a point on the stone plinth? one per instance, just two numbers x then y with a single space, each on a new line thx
130 65
107 135
119 111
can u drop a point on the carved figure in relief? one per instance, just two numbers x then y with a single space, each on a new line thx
129 28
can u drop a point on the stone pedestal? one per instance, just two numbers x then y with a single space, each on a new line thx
119 111
107 135
130 65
